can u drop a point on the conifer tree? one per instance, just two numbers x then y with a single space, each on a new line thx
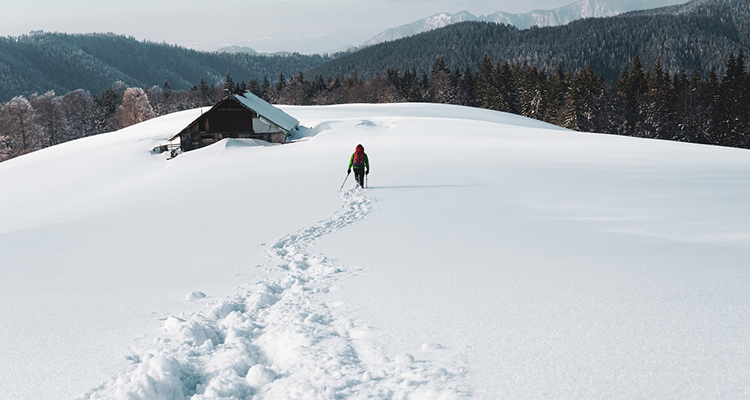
655 111
505 89
692 108
440 87
556 92
659 79
529 83
731 104
393 77
108 104
438 66
281 84
265 88
166 91
584 102
412 91
466 88
204 91
484 89
229 86
632 84
253 87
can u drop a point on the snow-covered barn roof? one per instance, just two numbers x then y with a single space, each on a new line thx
267 111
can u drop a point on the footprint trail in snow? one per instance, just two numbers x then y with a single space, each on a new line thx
281 340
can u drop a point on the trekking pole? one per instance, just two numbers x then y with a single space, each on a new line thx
347 177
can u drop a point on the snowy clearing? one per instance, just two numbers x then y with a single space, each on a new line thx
492 256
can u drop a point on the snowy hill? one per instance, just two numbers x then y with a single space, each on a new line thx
492 256
555 17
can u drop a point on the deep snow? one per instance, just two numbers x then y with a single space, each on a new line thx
491 257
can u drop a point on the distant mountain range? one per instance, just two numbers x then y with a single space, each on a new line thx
699 34
559 16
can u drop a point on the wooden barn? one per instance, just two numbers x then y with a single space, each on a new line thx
238 117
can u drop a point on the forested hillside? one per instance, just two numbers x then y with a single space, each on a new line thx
63 63
697 35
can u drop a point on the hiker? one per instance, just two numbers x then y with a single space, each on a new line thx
361 165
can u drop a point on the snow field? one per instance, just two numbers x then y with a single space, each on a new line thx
280 340
556 264
491 257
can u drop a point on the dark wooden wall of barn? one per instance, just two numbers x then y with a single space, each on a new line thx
230 117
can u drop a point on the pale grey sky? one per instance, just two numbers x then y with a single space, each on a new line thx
305 26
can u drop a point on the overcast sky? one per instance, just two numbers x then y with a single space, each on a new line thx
305 26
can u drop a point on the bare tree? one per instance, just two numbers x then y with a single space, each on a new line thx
80 114
49 117
135 108
19 121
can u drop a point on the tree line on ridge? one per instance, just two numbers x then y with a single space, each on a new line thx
649 103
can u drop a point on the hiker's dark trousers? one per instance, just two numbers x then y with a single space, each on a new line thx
359 175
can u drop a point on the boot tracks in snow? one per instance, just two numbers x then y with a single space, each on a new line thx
281 339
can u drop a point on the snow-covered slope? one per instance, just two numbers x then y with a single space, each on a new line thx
491 257
559 16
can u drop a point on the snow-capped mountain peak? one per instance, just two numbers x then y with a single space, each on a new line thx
558 16
432 22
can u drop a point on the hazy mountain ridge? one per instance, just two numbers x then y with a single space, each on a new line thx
695 6
237 49
62 62
251 51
